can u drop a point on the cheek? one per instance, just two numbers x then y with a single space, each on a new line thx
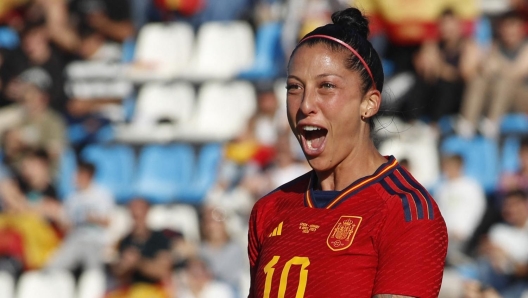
292 107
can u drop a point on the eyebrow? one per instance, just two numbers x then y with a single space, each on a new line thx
328 75
323 75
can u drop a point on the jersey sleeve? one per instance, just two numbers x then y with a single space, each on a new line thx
253 246
411 254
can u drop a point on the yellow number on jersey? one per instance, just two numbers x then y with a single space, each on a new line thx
303 278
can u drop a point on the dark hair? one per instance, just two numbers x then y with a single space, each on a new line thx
39 154
454 157
448 12
524 142
511 15
86 167
352 27
517 193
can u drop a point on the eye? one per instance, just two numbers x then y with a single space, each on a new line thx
327 85
292 87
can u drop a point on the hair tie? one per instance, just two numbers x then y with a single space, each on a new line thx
365 65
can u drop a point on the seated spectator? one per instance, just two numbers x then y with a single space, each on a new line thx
36 124
87 214
30 211
504 261
100 24
500 84
144 265
219 250
270 117
199 282
462 202
36 184
35 51
442 68
519 179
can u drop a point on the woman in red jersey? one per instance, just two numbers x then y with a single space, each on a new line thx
358 225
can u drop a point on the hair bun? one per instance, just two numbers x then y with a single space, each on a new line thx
352 19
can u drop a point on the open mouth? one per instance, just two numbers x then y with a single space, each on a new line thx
313 138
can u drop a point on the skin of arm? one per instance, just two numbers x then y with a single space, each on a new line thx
117 30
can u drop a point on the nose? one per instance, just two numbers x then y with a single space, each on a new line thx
308 103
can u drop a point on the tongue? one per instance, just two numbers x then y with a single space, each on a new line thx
316 138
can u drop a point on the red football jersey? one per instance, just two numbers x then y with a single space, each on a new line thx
383 234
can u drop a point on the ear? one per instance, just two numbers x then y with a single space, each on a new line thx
370 104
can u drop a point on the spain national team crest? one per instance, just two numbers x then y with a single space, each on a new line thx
343 233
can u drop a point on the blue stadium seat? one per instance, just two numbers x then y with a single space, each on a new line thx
510 155
268 56
115 168
205 175
9 38
128 50
481 158
163 171
514 124
65 180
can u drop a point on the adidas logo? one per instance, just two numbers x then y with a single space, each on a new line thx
277 231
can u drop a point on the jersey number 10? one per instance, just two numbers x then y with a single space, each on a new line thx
303 277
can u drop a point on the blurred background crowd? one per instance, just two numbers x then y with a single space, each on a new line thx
136 135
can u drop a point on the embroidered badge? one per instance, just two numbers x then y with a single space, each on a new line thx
306 228
343 233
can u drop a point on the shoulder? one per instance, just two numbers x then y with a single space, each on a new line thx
293 188
402 193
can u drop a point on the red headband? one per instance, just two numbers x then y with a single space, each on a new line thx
348 47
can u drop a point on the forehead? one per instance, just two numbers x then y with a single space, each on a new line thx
318 58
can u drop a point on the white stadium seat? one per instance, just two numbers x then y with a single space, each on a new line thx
171 103
7 285
223 49
180 217
222 112
46 284
162 51
92 284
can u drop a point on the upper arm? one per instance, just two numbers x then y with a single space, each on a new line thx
411 254
253 246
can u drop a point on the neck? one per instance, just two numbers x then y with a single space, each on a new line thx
359 163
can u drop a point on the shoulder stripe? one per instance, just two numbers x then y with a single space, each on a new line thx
405 202
421 190
401 188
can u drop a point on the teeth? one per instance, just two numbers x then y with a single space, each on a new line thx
309 143
311 128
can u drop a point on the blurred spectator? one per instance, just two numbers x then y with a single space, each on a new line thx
87 214
284 168
35 51
462 202
269 119
519 179
407 25
502 76
9 13
442 68
219 250
198 282
504 261
36 179
144 264
36 124
302 16
98 22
